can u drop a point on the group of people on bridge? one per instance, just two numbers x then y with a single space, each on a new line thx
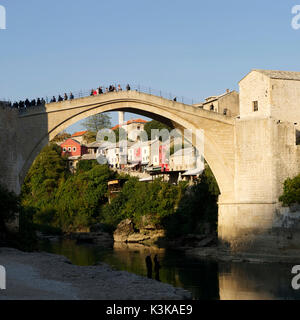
24 105
111 88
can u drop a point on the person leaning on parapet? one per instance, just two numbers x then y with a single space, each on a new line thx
53 99
100 90
119 88
71 96
128 87
65 97
60 99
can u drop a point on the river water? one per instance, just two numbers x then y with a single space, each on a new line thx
206 280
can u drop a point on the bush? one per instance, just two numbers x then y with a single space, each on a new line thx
197 207
291 191
137 199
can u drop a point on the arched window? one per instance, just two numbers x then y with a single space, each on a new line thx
212 108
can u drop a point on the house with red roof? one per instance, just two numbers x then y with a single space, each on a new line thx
73 148
79 136
132 127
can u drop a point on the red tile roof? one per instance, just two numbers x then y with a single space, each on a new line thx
79 134
130 122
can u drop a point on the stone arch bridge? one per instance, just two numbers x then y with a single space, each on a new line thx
247 157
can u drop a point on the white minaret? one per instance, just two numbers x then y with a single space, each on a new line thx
121 118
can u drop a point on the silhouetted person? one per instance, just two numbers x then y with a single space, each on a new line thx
175 99
27 103
71 96
53 99
60 99
65 97
149 267
128 87
156 268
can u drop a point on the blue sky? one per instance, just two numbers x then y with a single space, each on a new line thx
192 48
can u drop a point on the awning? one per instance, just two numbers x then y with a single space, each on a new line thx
146 179
193 172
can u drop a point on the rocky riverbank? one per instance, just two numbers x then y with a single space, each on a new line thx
44 276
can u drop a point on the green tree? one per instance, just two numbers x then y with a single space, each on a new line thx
97 122
45 175
151 125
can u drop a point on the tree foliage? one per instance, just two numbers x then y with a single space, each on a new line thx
97 122
152 125
90 136
61 137
60 199
291 191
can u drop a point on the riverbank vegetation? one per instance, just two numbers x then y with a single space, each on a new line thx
58 201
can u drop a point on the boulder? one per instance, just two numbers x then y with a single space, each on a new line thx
124 229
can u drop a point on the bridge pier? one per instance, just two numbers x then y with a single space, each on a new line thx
247 226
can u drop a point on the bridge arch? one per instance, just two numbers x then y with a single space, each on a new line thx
62 115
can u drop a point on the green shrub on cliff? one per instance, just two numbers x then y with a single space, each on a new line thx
137 199
291 191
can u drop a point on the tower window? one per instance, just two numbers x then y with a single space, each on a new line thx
225 111
255 106
212 108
